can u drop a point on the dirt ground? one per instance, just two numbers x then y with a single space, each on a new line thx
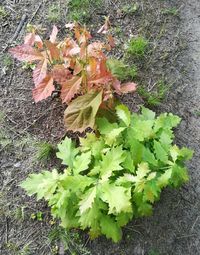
173 57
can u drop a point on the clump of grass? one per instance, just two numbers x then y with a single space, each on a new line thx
155 97
3 12
171 11
137 46
130 8
54 13
79 10
121 70
45 151
7 61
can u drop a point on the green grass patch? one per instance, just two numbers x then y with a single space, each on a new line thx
137 46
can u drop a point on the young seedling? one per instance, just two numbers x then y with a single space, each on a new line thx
79 67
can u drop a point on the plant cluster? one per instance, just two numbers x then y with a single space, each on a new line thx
75 67
114 175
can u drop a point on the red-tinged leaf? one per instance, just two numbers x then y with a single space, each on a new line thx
102 80
74 51
111 41
44 89
54 51
61 74
33 39
39 73
53 34
82 111
117 86
29 39
128 87
26 53
70 88
95 50
92 67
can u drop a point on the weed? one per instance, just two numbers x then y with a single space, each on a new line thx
71 241
121 70
54 13
19 213
28 66
137 46
130 8
45 151
171 11
37 216
153 252
7 61
3 12
155 97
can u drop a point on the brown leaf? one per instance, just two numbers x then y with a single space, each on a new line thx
128 87
61 74
39 73
70 88
54 51
81 112
25 52
53 34
44 89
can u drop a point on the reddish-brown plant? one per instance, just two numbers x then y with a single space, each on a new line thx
78 66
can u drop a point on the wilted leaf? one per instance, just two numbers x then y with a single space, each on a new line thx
53 34
81 112
39 73
26 53
44 89
70 88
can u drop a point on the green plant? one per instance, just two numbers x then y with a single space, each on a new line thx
54 13
115 175
3 12
130 8
45 151
121 70
75 67
171 11
155 96
137 46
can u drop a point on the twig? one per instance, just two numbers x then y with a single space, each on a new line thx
19 28
35 13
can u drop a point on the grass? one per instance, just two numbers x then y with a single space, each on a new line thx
130 8
3 12
54 13
45 151
154 97
171 11
137 47
80 10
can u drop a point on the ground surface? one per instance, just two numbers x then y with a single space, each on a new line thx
173 57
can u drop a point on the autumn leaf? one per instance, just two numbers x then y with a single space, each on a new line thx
61 74
39 73
70 88
53 34
44 89
32 38
81 112
54 51
128 87
26 53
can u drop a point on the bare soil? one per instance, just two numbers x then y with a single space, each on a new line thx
173 57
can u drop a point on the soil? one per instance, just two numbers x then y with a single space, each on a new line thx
173 57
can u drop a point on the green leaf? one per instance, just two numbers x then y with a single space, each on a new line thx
136 148
118 198
123 218
161 154
123 114
43 184
110 228
143 208
128 162
166 121
67 152
142 130
148 156
164 179
104 126
81 162
112 136
111 162
179 176
88 200
81 112
148 114
151 191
